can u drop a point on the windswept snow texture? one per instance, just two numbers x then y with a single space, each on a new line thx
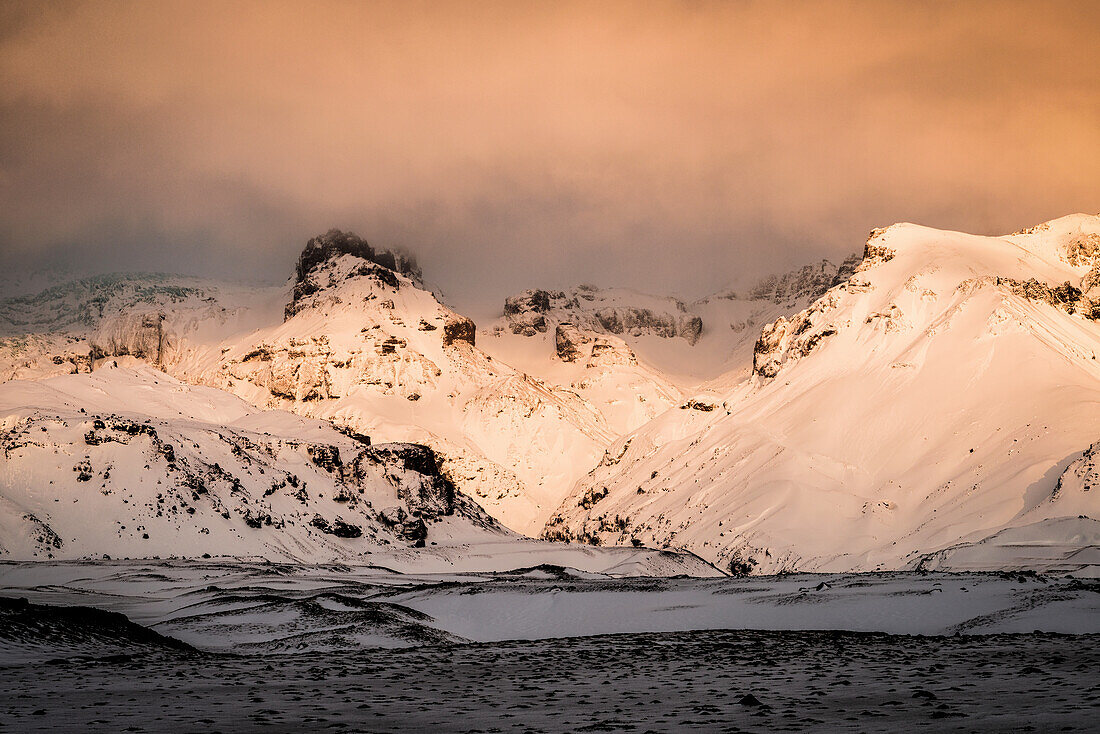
222 604
239 647
936 409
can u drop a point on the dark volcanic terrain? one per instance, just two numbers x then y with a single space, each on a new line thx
727 681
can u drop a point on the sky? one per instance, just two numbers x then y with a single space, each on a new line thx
673 147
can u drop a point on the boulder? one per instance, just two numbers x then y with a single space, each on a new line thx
459 329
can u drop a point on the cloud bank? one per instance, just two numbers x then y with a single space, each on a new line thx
673 147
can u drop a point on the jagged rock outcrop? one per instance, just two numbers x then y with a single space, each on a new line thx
526 312
335 243
427 492
809 281
1066 296
1081 476
789 339
568 341
459 329
591 349
608 312
311 278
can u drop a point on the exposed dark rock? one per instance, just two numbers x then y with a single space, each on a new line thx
382 265
698 405
526 312
785 340
43 534
568 340
258 519
536 311
337 527
1067 297
459 329
414 531
326 457
424 489
529 300
690 328
354 435
391 345
740 565
335 243
876 252
591 497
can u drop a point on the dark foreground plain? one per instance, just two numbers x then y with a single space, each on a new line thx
721 681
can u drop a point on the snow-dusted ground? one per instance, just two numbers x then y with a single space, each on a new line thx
278 608
238 646
701 681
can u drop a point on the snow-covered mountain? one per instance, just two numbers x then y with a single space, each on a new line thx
943 395
166 469
132 463
934 407
355 338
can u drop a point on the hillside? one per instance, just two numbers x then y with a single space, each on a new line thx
938 397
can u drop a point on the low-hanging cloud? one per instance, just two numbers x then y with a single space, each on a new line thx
674 146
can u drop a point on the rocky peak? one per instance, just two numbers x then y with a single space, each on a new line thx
334 243
310 271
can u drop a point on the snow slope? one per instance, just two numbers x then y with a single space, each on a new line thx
133 463
935 398
168 469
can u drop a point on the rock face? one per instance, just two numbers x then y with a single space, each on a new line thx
425 490
810 281
786 340
591 349
568 341
625 313
526 313
1066 296
335 243
459 329
609 312
134 334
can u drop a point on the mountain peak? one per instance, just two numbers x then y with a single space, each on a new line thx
335 242
317 266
